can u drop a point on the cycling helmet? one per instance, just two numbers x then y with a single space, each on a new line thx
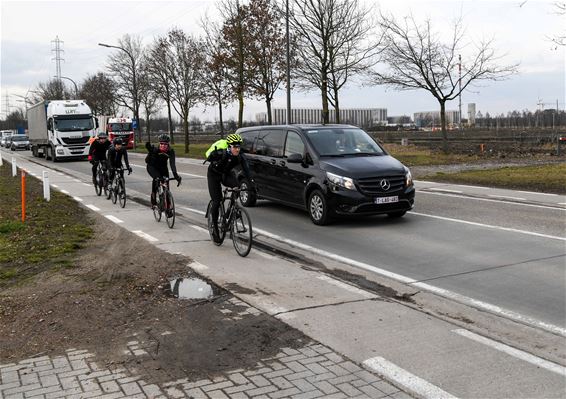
234 139
102 135
163 138
118 140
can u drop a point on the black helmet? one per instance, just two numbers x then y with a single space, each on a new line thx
163 138
118 140
101 135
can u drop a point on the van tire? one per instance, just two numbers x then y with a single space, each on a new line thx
318 208
247 198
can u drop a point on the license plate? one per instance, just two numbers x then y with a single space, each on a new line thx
386 200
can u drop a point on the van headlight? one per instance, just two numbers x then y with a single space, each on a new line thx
408 178
341 181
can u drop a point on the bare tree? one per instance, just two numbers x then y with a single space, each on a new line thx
215 73
159 67
416 58
236 49
149 98
99 93
123 68
333 44
53 89
186 79
560 9
267 51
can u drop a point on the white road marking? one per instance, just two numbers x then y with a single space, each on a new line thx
198 266
201 229
78 199
77 180
507 197
145 236
490 226
64 191
519 354
55 185
443 190
113 218
562 203
181 173
84 184
535 193
194 210
408 381
489 200
347 287
94 208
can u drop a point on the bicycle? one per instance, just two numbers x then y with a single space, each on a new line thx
165 203
234 218
118 190
101 180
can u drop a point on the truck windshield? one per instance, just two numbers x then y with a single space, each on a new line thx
74 124
120 127
343 142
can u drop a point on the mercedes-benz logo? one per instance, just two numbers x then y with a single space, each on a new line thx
384 184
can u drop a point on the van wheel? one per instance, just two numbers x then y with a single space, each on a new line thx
318 208
396 214
247 198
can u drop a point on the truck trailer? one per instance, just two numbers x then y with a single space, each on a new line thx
61 129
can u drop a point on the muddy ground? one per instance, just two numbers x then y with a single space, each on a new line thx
118 290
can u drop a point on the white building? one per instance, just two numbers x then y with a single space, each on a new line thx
431 119
362 117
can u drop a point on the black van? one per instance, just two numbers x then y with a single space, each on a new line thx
326 169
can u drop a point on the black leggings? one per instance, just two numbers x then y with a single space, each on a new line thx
215 182
156 173
95 166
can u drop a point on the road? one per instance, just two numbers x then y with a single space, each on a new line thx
501 252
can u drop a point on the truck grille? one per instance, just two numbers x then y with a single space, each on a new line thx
374 185
80 140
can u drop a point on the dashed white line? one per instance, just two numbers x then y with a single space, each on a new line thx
488 200
519 354
535 193
194 210
94 208
84 184
201 229
198 266
145 236
347 287
55 185
443 190
507 197
78 199
113 218
490 226
64 191
412 383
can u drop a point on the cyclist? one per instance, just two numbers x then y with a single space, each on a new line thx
223 156
116 152
156 161
97 153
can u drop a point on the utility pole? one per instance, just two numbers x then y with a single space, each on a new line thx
288 66
460 89
58 50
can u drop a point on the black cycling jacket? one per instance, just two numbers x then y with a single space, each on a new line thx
222 162
98 150
115 157
159 159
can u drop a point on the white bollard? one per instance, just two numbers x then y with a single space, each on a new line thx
1 163
14 168
46 187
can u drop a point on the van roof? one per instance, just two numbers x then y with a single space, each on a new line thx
298 126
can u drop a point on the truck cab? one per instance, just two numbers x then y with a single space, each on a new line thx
123 128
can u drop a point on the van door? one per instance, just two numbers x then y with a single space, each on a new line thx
294 176
269 151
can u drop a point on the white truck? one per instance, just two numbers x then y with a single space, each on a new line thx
61 129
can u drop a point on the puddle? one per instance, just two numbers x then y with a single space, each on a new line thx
191 288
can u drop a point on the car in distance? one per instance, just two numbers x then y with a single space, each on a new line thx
328 170
19 142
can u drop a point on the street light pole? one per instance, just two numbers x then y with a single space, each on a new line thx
76 90
134 97
288 66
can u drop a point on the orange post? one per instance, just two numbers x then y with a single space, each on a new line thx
482 147
23 196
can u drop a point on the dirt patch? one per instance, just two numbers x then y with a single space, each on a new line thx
117 290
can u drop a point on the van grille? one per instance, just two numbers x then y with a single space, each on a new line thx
373 185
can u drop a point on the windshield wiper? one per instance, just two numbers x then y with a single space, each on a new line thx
332 155
373 154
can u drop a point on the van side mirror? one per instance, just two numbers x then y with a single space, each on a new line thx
50 124
295 158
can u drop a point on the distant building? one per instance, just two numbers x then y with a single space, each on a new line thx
471 114
362 117
431 119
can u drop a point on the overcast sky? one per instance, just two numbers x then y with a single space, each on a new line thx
521 30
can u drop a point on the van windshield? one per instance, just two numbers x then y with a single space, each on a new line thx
343 142
74 124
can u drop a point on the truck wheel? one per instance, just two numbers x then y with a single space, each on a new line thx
34 151
47 151
53 156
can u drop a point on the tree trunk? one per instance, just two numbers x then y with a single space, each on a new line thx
336 106
220 116
186 130
147 129
170 122
443 126
324 89
268 103
241 108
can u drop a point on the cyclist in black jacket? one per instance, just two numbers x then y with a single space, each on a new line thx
222 161
156 161
97 153
115 154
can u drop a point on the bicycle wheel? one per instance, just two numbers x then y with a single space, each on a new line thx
241 229
169 209
114 193
105 186
211 224
98 184
121 192
158 208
